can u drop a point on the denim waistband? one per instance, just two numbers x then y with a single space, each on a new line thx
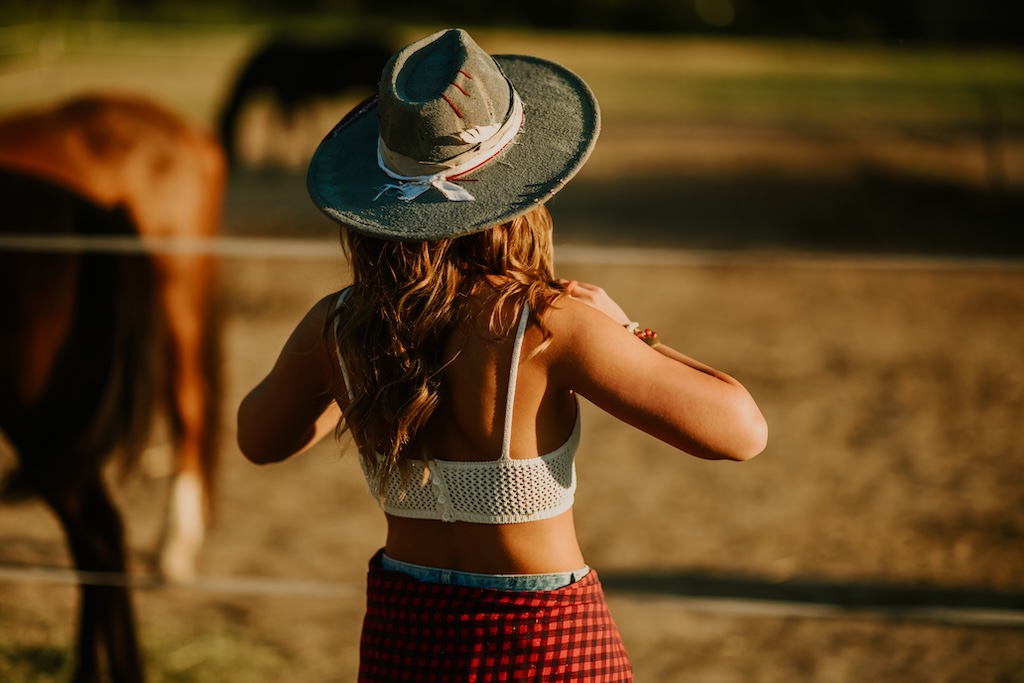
507 582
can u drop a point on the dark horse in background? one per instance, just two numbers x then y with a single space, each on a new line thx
297 74
94 346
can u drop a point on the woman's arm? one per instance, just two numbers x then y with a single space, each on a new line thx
293 406
659 390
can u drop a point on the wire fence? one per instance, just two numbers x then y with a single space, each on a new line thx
236 247
721 605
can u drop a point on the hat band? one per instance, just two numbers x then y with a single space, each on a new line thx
440 175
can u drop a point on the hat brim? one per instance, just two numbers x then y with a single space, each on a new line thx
560 128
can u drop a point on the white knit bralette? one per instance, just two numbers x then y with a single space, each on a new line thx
501 491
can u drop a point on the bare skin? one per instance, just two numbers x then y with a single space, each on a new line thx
693 407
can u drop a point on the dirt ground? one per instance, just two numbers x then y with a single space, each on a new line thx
894 392
890 492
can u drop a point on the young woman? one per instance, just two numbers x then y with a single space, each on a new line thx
454 361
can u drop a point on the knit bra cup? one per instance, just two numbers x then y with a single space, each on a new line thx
505 490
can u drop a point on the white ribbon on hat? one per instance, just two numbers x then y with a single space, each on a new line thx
409 187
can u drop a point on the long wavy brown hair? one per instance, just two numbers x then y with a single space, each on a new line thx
406 299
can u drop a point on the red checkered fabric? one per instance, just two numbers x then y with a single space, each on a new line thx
434 633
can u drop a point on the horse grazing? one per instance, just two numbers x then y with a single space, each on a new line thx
297 74
93 346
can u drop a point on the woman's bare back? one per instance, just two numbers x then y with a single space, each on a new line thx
468 425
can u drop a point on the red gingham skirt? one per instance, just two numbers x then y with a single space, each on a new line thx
434 633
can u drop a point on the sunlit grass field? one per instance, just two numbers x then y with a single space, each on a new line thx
638 80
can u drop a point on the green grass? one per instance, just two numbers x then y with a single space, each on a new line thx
784 83
659 80
197 657
213 657
33 663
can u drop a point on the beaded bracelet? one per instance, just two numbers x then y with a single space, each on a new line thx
649 337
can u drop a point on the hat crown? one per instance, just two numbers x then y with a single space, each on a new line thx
440 96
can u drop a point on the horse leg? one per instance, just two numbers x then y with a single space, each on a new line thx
187 289
107 637
184 523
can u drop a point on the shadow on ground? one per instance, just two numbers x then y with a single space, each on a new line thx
874 213
805 591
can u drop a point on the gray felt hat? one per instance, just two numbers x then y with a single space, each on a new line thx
456 141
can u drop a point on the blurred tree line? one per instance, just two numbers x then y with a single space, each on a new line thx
992 22
954 21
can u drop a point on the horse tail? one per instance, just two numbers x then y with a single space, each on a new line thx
117 320
102 377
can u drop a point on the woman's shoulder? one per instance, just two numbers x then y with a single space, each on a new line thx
320 316
569 322
582 345
330 303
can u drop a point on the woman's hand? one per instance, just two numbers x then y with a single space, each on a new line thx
594 296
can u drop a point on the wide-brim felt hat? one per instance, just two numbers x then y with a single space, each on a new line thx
455 142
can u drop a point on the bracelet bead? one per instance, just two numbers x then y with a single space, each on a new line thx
646 335
649 337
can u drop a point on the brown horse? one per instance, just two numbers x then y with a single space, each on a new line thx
93 345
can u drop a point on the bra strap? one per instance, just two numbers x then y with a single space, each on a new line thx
517 348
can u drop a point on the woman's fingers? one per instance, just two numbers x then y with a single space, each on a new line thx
595 296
